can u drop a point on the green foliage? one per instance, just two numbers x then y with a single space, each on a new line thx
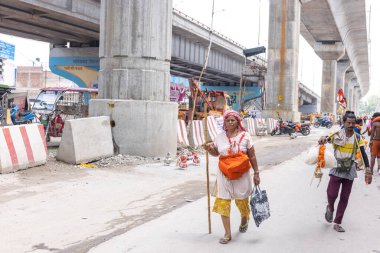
368 106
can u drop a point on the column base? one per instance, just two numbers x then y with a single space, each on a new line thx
140 127
285 115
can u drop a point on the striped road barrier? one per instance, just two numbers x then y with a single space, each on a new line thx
22 147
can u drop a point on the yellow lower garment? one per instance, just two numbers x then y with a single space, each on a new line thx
223 207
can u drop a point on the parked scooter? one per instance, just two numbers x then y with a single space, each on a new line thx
19 118
323 123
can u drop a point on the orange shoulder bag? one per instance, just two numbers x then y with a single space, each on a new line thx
234 165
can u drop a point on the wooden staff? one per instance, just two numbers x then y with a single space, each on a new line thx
207 170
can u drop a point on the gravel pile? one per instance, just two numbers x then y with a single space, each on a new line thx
125 160
130 160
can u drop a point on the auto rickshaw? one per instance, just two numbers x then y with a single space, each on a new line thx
53 106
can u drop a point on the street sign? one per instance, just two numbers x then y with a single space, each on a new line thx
7 50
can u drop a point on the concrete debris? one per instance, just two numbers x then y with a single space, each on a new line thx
52 153
126 160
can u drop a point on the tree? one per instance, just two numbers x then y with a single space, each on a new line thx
368 106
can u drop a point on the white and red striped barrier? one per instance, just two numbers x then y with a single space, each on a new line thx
212 128
250 126
197 133
261 126
182 133
22 147
271 124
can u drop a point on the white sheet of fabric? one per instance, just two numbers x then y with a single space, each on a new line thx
330 161
312 155
239 188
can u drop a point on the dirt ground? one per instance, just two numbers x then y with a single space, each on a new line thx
64 208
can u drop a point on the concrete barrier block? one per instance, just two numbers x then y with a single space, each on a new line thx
22 147
85 140
141 127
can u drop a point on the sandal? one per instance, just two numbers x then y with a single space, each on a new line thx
243 228
328 214
224 240
339 228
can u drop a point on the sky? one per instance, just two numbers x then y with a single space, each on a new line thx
238 20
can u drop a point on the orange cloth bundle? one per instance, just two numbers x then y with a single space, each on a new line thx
233 166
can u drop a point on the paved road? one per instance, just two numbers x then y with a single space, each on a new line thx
64 208
296 224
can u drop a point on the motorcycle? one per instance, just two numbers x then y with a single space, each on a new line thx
284 127
290 128
19 118
303 128
323 123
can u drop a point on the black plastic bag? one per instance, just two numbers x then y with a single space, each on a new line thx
259 205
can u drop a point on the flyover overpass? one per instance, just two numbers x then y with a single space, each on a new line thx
134 73
336 29
77 22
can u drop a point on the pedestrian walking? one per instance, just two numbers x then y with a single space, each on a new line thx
374 142
235 145
345 143
358 126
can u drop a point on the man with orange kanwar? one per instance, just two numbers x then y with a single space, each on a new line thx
345 143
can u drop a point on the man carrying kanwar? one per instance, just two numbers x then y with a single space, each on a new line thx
374 142
345 143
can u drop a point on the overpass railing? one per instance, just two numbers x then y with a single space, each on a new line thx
207 28
178 12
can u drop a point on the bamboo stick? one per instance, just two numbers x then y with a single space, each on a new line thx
207 170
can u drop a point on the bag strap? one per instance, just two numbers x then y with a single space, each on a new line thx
240 140
355 146
255 189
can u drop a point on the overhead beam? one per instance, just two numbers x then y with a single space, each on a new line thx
40 30
30 35
41 19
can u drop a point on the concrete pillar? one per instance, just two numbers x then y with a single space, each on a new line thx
282 73
329 53
356 99
350 99
347 79
134 76
328 94
341 69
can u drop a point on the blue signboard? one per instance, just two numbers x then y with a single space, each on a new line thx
7 51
